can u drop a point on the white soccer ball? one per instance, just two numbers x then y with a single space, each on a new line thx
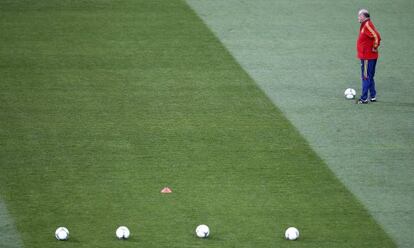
62 233
202 231
349 93
122 232
292 233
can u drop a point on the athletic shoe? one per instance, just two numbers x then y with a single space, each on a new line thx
362 101
373 99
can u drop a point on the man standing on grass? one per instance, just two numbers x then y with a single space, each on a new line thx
367 48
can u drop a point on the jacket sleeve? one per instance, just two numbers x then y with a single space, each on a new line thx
373 33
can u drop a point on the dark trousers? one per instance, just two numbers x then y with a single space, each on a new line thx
367 76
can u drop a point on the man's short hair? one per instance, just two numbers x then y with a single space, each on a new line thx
363 12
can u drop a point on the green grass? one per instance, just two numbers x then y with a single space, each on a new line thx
302 54
103 103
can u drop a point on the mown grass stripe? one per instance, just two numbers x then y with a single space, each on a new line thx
9 237
304 61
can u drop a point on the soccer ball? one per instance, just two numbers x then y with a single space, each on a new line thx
350 93
202 231
292 233
62 233
122 232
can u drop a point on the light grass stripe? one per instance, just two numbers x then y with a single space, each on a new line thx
9 237
302 54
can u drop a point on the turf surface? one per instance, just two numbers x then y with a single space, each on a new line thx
9 237
103 103
302 54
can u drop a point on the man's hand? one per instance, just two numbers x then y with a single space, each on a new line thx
375 50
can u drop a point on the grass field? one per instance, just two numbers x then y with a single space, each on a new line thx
103 103
302 54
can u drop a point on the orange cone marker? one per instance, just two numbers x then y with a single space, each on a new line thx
166 190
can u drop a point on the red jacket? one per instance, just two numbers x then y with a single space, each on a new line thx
368 40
